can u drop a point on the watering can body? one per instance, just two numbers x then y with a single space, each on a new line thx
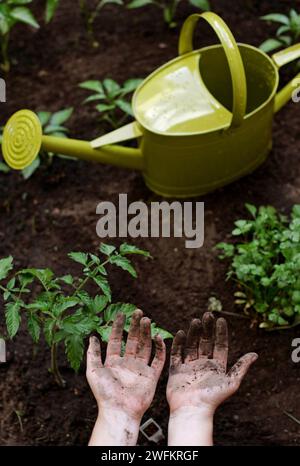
203 120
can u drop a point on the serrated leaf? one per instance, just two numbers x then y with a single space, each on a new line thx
74 350
48 330
68 279
33 326
103 285
6 264
104 332
130 249
112 310
12 318
99 303
107 249
80 257
124 263
159 331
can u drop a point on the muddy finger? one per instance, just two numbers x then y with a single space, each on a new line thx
221 343
241 367
207 339
160 355
192 341
93 359
177 350
115 339
133 334
145 343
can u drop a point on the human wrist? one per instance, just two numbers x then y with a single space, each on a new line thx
115 427
191 426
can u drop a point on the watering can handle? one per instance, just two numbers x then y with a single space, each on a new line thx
280 59
235 62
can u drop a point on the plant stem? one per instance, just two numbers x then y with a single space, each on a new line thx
54 367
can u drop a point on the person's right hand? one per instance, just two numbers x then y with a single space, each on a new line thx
124 386
198 371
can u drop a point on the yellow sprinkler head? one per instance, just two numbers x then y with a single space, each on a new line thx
22 139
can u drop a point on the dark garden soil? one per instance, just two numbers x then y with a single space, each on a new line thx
52 213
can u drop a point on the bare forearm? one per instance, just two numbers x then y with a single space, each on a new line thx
191 426
115 428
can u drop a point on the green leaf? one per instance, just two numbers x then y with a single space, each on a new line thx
111 87
6 265
12 318
27 172
201 4
61 117
33 326
99 303
159 331
103 285
104 107
43 275
48 330
4 168
139 3
104 332
74 350
107 249
276 18
63 305
130 249
80 257
44 117
112 310
131 85
80 324
51 7
24 15
252 209
124 106
124 263
93 86
269 45
68 279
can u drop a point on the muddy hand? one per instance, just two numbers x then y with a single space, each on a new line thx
126 382
198 370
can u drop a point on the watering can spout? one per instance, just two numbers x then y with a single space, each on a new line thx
23 140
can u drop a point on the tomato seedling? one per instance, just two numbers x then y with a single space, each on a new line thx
62 307
288 32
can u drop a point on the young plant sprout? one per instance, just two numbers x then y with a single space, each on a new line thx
90 14
265 265
63 308
13 12
288 32
169 7
114 106
53 125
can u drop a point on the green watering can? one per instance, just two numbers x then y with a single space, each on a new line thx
203 119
